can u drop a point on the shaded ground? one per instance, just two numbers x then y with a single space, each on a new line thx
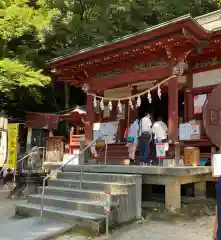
194 222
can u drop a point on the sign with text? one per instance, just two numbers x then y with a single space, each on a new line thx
184 132
199 101
160 150
12 144
106 128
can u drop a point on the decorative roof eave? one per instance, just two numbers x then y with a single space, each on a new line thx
168 27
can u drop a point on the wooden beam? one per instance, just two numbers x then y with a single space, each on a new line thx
130 78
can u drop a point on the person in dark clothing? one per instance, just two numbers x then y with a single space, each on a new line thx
217 224
145 139
7 177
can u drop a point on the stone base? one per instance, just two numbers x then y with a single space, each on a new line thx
26 184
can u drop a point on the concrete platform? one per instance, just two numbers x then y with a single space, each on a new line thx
32 229
159 170
171 177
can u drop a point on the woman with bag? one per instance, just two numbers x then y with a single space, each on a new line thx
132 140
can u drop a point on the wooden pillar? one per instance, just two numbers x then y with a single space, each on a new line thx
89 119
173 91
188 97
29 137
66 93
113 113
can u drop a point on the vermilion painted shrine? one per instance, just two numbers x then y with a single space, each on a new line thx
191 46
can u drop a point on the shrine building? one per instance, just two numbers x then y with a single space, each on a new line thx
167 70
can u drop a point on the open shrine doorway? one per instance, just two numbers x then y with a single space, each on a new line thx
159 106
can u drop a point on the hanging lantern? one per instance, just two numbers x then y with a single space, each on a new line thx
149 97
131 104
159 92
138 101
119 106
95 102
102 104
110 107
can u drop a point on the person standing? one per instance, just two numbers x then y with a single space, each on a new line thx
160 132
132 140
217 224
145 139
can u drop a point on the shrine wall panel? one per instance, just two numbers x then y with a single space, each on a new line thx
208 78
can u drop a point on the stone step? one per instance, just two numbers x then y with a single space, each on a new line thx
113 187
32 229
92 220
80 194
102 177
68 203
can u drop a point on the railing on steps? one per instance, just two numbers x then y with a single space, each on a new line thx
31 162
82 152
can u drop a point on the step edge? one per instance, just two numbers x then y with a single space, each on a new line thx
91 216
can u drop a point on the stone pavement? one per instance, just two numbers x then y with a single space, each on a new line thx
7 206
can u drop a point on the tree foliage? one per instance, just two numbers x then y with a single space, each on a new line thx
34 31
21 25
83 23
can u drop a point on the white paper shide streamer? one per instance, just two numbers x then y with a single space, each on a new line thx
102 104
110 106
119 106
149 97
131 104
95 102
159 92
138 102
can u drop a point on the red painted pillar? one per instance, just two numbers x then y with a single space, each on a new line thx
173 91
188 98
90 116
190 106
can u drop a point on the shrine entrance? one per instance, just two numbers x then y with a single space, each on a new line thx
159 107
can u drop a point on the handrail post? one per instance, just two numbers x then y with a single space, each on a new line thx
81 160
61 167
105 154
42 198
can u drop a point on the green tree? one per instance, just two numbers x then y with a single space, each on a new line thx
83 23
22 33
33 33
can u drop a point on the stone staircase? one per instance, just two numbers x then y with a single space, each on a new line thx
65 201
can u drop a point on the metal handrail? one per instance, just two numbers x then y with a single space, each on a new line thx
29 154
63 165
20 160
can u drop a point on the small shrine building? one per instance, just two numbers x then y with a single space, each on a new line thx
178 62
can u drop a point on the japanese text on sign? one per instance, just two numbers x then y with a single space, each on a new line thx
12 145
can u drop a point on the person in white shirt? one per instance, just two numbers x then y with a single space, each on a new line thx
132 140
145 139
160 132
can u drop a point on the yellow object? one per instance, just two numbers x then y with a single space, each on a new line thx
100 144
12 145
192 156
